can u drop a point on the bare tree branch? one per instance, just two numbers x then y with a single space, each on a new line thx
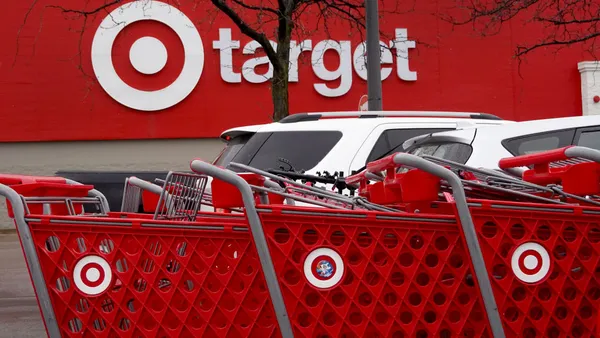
261 38
33 3
256 8
564 23
88 12
522 50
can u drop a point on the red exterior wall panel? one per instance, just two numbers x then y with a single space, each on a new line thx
44 95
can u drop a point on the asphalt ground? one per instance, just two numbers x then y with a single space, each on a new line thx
19 312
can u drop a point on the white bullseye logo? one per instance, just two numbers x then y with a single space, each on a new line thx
147 55
530 262
323 268
92 275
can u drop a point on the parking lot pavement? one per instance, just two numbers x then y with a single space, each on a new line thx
19 312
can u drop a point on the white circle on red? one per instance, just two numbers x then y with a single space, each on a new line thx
322 279
530 262
148 55
92 275
125 94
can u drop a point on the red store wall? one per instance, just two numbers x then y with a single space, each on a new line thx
45 95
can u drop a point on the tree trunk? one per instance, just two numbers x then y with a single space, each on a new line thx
279 92
279 82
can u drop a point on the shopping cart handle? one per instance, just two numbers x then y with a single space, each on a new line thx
145 185
10 179
382 164
357 178
542 158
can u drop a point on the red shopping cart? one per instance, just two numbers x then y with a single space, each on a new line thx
417 260
541 253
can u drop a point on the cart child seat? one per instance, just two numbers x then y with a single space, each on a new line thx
55 189
413 185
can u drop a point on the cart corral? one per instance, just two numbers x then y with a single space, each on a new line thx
428 248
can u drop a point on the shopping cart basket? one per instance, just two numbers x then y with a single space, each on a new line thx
339 269
541 256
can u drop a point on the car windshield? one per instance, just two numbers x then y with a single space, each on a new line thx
453 151
287 150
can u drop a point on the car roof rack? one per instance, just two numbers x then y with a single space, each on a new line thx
304 117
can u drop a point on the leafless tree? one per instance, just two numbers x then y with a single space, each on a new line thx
561 22
288 15
263 21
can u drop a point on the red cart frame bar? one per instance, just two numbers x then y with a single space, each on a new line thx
258 236
466 222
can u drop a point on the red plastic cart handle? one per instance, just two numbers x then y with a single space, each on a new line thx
534 159
386 163
361 179
382 164
356 178
9 179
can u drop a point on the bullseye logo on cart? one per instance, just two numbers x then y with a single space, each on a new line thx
92 275
148 56
323 268
530 262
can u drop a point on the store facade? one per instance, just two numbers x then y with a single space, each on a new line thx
142 75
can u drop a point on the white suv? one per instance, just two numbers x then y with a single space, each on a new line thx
336 142
484 147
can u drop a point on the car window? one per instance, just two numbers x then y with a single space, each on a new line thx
303 150
453 151
250 148
590 139
392 138
539 142
231 149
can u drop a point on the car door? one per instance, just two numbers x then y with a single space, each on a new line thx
388 136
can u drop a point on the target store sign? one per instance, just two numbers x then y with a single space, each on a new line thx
149 55
143 70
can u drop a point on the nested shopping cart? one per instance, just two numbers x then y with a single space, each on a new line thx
430 249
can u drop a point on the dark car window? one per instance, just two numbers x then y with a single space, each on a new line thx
231 149
302 149
252 146
539 142
588 137
392 138
453 151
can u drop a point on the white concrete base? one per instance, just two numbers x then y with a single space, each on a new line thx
590 86
46 158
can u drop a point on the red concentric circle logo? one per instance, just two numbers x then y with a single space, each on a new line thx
530 262
92 275
164 58
323 268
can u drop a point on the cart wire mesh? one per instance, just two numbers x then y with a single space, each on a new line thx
181 197
132 196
